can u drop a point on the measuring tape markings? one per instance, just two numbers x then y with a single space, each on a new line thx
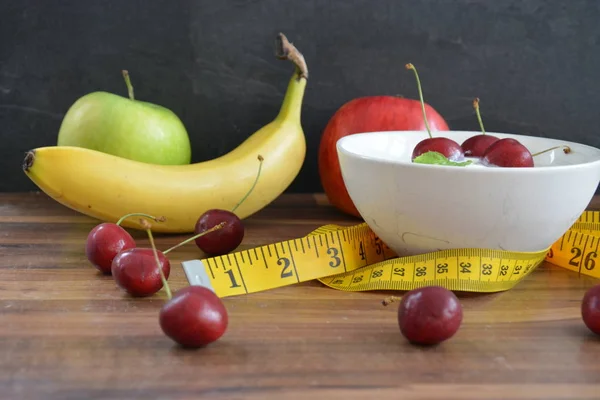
481 270
323 252
589 216
577 249
353 258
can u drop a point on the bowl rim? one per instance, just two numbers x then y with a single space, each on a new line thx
340 147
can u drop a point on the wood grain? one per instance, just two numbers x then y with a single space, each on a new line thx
68 333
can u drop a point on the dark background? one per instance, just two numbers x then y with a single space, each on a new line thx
535 64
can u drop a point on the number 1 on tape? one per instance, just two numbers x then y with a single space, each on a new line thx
329 250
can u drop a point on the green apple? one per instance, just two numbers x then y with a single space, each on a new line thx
126 127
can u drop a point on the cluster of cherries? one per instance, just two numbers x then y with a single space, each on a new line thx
193 316
432 314
492 151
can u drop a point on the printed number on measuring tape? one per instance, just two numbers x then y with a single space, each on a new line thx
354 259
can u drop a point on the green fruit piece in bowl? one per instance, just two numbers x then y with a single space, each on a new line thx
434 157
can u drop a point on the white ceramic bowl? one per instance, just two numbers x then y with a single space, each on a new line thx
417 208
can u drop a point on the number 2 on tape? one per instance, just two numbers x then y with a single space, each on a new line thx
329 250
354 259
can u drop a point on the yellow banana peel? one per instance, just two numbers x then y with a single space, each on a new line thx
107 187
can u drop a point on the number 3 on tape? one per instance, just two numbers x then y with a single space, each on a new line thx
355 259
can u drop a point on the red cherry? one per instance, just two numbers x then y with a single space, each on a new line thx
195 316
104 242
475 146
218 231
221 241
590 309
231 234
135 271
446 146
508 153
429 315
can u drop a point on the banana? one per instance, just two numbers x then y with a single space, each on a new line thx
107 187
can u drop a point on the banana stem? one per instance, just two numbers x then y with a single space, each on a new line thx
284 50
292 103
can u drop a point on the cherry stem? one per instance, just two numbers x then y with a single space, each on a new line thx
157 219
148 228
128 83
389 300
566 150
476 107
260 160
214 228
410 66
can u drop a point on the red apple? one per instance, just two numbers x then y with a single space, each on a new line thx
367 114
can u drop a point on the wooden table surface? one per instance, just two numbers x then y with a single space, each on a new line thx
68 333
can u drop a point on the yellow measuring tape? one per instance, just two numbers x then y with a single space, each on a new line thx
354 259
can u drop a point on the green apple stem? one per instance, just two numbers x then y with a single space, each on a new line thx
476 107
157 219
128 83
148 228
389 300
412 67
214 228
260 160
566 150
